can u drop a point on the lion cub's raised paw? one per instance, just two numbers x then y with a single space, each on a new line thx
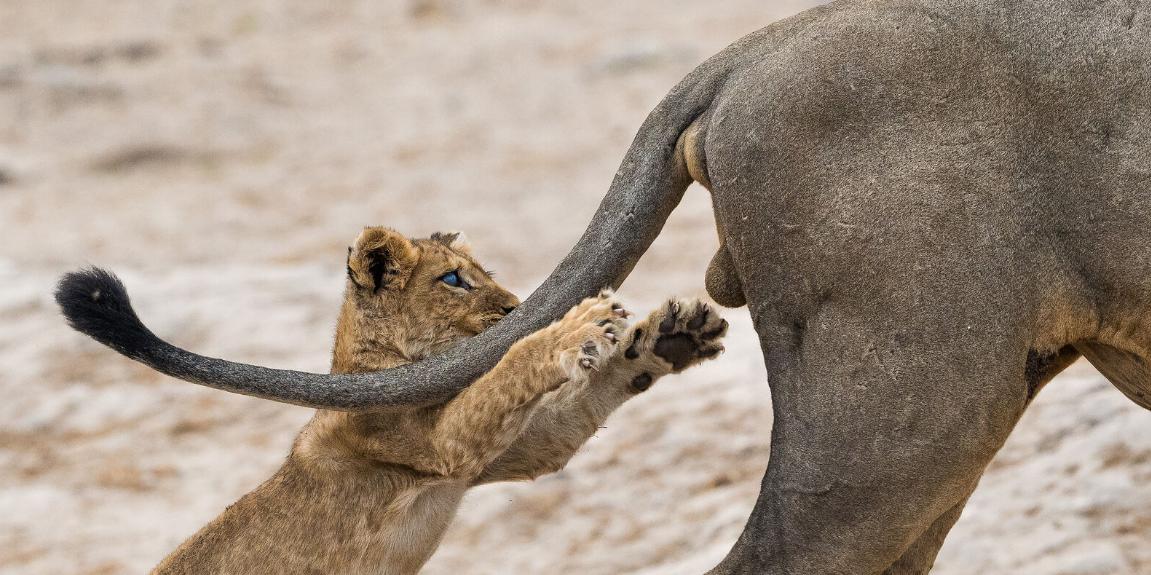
681 333
588 335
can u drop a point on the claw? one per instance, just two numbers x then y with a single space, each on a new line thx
716 332
710 353
698 321
668 322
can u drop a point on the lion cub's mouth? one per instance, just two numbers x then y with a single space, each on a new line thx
469 328
491 319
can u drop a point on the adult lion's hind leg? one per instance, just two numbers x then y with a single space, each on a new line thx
879 435
1128 371
920 557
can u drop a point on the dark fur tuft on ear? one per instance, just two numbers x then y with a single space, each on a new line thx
381 259
378 267
454 240
96 304
445 238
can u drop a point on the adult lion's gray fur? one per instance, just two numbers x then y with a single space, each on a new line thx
930 208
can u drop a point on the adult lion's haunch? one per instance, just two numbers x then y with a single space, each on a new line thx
930 209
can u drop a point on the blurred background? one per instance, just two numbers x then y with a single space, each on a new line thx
220 155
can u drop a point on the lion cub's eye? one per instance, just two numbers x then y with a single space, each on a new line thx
453 279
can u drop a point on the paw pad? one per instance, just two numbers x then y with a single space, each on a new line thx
642 382
689 332
632 352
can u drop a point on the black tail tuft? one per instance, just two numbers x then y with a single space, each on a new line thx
96 304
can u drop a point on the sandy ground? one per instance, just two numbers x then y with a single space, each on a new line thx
220 155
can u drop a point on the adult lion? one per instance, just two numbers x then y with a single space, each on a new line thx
930 207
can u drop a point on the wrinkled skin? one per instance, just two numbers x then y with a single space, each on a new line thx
929 207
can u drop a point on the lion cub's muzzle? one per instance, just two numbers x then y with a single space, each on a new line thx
491 318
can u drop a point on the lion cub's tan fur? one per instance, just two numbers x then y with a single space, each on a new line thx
374 492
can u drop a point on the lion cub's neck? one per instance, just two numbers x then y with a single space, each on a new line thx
374 334
368 338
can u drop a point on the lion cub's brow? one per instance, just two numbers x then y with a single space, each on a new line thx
456 260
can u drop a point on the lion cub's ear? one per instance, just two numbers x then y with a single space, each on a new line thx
455 240
381 258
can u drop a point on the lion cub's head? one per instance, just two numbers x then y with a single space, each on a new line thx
413 297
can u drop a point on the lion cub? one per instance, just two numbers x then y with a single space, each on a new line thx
374 492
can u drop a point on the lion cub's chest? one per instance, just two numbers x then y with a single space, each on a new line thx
398 536
365 467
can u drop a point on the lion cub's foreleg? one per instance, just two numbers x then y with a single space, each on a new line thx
479 424
678 335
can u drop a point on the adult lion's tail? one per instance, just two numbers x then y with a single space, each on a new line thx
648 185
95 303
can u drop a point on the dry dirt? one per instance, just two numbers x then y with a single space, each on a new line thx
220 155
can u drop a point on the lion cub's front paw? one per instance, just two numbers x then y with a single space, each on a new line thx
681 333
588 335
